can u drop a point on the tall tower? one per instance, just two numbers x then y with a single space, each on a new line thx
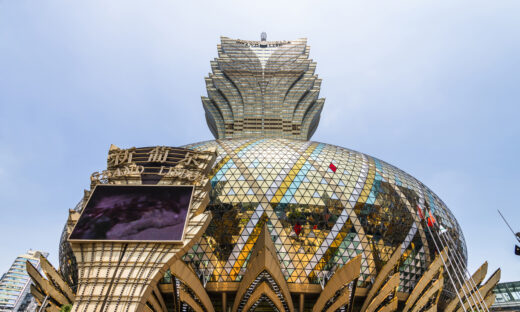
263 89
15 284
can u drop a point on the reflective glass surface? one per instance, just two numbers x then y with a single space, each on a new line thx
323 205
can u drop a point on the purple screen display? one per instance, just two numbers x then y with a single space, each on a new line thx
134 213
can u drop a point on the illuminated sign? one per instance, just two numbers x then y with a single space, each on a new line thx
134 213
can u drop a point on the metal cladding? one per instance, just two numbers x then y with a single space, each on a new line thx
263 89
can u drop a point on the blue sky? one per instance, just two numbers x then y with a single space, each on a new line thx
431 87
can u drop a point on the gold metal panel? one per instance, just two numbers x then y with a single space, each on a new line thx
304 288
381 276
36 293
391 306
434 267
158 295
490 299
490 283
433 308
342 300
388 288
45 285
468 288
485 292
56 278
156 306
263 258
186 274
41 297
436 287
186 298
222 286
165 288
294 288
487 302
52 308
263 289
342 277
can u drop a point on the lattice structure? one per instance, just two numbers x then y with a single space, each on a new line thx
344 202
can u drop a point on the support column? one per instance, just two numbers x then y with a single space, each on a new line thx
302 301
224 302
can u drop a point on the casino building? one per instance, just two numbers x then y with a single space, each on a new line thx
276 222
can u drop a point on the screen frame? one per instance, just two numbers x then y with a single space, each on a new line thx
181 241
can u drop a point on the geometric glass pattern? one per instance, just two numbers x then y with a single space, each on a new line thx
323 205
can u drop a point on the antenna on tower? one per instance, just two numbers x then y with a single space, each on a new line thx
263 36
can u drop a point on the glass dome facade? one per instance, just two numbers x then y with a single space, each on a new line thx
322 204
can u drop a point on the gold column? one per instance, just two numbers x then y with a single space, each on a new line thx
224 301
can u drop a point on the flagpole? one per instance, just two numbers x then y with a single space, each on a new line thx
448 271
467 291
460 279
479 301
471 280
460 265
515 234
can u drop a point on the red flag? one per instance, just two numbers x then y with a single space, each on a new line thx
431 219
332 167
297 228
419 210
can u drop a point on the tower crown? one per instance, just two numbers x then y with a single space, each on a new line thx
263 89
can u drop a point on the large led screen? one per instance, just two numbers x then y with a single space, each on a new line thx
134 213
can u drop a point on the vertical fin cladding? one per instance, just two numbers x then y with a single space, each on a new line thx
263 89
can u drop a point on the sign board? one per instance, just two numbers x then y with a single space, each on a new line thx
132 213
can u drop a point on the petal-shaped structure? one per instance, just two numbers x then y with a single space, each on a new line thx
263 89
